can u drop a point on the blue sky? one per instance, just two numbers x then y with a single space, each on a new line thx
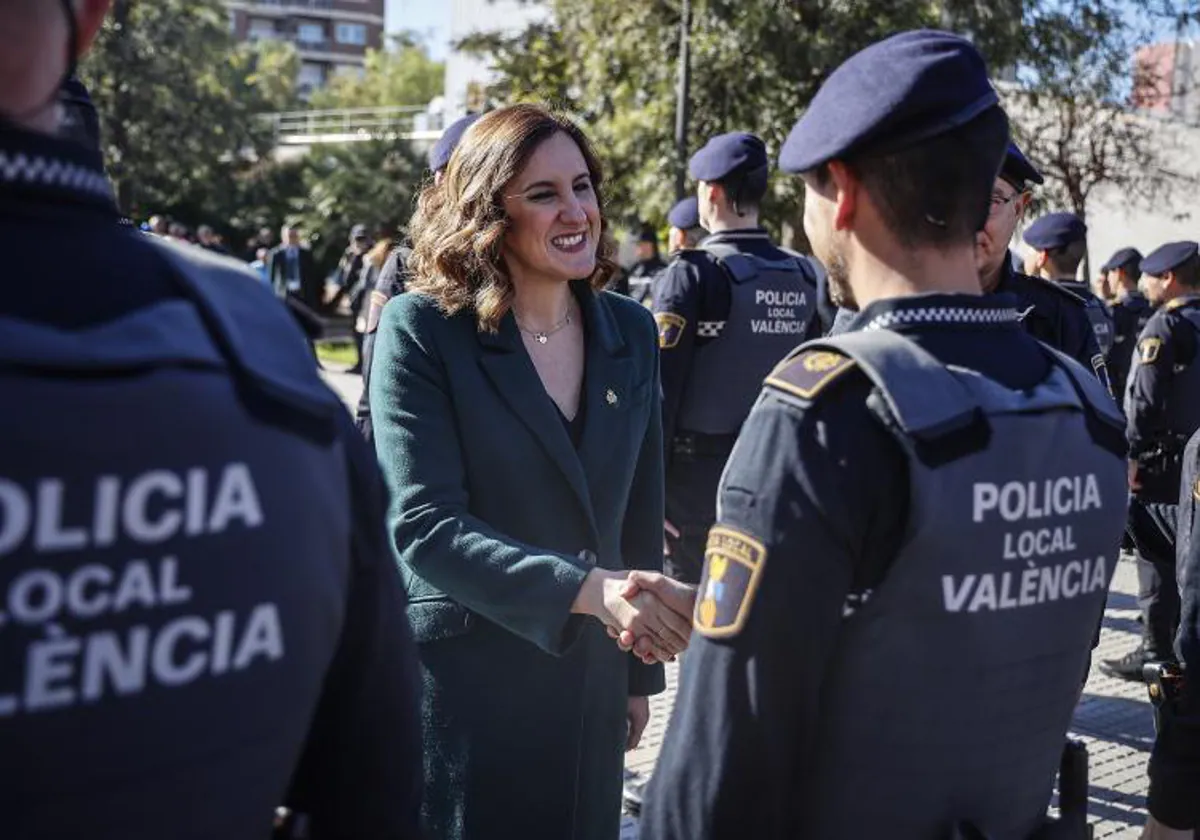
429 18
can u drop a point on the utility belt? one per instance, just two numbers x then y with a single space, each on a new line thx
1072 821
691 445
1160 469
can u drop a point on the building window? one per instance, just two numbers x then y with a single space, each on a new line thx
356 71
262 30
311 75
310 33
352 33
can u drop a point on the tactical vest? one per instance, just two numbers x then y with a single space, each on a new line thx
952 688
174 560
1184 405
772 309
1097 313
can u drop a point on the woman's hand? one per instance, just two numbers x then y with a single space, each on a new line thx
639 615
638 716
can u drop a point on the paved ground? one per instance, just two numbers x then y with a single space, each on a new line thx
1113 717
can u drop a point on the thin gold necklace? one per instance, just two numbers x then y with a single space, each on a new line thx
542 336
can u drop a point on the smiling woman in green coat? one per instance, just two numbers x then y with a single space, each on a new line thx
518 425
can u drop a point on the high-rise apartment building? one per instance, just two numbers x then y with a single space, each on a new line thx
1167 80
331 36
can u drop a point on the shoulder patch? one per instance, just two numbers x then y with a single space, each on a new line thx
1196 490
733 564
1148 349
809 373
670 328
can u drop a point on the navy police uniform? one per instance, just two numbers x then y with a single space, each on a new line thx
1060 230
197 600
727 312
1130 314
1175 760
882 502
1162 409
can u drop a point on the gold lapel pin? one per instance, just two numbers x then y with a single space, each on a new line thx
610 396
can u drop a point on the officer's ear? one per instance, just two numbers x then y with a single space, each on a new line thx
89 17
845 189
1170 281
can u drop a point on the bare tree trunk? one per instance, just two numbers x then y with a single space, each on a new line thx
120 112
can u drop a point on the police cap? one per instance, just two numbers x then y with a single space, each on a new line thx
1017 169
1125 256
890 96
358 232
1054 231
439 155
725 154
1168 258
685 215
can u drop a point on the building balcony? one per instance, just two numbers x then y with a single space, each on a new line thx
328 9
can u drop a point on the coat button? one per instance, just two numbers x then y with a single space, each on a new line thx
589 557
467 621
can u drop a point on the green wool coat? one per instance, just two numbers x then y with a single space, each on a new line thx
495 520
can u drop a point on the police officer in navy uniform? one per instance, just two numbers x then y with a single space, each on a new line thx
1175 761
727 312
1048 312
201 620
394 273
1162 409
885 645
1130 312
685 229
1059 243
649 265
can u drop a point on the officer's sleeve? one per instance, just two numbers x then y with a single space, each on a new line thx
525 589
389 279
676 308
1175 761
360 774
642 531
808 499
1149 384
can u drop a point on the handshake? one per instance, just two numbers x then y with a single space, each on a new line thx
647 613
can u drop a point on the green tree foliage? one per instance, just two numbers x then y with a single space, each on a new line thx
178 102
756 64
404 75
372 183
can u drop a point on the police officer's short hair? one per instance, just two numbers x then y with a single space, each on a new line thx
1066 260
1131 267
937 192
1188 272
745 188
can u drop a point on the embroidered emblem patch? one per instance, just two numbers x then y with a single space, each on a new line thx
809 373
1148 349
670 328
733 564
378 299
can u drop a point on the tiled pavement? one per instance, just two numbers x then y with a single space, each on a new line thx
1113 717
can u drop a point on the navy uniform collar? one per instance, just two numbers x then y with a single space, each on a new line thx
752 234
39 167
997 310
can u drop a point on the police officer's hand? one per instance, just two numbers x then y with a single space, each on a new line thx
679 597
638 716
644 615
1155 830
1135 483
669 530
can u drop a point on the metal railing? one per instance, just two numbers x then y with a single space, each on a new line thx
348 125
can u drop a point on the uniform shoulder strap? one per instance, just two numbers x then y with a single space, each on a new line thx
926 400
258 338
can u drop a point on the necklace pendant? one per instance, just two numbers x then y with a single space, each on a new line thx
541 338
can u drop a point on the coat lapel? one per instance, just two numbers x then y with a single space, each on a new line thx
512 373
608 380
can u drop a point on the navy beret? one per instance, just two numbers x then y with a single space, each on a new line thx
439 155
1056 230
685 215
1168 258
1017 169
1123 257
358 232
727 153
892 95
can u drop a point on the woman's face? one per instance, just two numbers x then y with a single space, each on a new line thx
554 216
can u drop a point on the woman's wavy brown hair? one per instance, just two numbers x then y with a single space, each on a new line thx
459 227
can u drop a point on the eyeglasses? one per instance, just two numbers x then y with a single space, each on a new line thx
999 201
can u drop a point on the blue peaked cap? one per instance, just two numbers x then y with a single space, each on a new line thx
1168 258
890 96
1056 230
685 215
728 153
439 155
1017 169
